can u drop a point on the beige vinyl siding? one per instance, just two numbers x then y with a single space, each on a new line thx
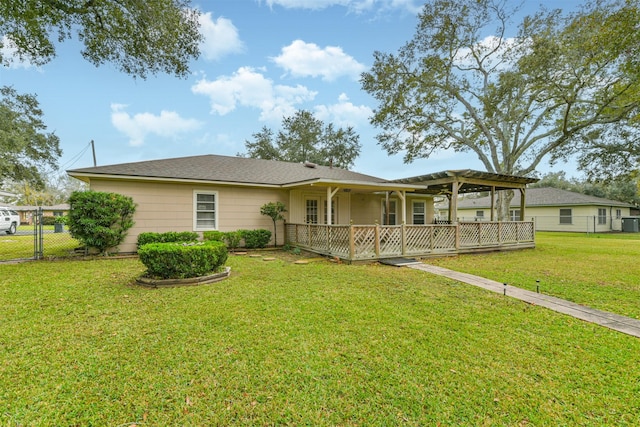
367 208
165 207
547 218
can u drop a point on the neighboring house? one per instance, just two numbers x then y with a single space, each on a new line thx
554 209
26 212
223 193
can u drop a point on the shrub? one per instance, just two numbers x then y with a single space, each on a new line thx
255 238
100 220
61 219
168 237
215 235
182 260
232 239
48 220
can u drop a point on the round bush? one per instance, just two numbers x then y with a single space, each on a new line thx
169 236
182 260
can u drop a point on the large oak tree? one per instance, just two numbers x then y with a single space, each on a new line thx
558 85
140 38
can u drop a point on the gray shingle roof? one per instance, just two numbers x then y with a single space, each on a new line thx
545 197
227 169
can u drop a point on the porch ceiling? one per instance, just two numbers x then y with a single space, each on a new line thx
469 181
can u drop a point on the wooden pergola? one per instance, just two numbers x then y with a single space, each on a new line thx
451 183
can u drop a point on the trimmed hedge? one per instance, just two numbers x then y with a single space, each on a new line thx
168 237
231 238
256 238
215 235
252 238
182 260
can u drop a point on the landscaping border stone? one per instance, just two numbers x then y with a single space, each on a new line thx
191 281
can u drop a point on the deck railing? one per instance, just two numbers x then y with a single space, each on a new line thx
367 242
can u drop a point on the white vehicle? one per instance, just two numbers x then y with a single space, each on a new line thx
9 221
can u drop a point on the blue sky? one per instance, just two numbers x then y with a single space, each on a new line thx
261 60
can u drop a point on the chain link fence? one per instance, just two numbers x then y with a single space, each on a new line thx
37 237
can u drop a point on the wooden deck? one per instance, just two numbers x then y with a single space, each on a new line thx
371 242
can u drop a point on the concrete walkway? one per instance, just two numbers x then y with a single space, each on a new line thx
613 321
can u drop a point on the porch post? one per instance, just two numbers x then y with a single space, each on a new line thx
522 203
453 208
330 195
493 203
402 196
386 208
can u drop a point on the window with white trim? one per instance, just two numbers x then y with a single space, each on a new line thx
479 214
565 216
602 216
393 206
514 215
205 210
618 213
419 212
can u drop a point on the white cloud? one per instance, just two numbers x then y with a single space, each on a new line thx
249 88
302 59
220 37
344 113
168 124
10 57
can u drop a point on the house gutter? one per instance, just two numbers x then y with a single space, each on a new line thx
320 182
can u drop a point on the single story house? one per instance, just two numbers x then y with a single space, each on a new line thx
26 211
331 211
553 209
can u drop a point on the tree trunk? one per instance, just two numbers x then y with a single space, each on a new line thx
503 204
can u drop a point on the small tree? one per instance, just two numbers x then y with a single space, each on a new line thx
100 220
274 211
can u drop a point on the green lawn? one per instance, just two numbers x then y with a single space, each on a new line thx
598 270
285 344
13 246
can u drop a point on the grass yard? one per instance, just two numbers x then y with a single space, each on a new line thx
13 246
285 344
598 270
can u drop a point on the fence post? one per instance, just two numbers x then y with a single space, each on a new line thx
38 238
352 243
377 240
328 237
403 237
457 243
